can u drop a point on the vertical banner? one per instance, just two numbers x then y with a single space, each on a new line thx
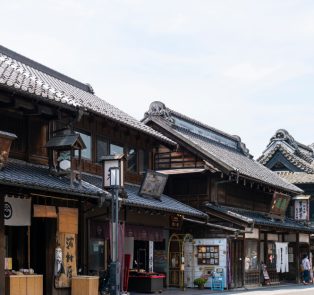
151 256
68 246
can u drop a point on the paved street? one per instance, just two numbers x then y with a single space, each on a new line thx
288 289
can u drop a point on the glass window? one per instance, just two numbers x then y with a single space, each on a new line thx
250 260
132 160
87 138
102 147
144 161
96 254
116 148
272 254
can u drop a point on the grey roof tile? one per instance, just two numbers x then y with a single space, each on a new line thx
297 178
33 175
259 218
166 203
47 84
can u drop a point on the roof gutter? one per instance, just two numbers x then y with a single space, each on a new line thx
224 181
212 225
239 231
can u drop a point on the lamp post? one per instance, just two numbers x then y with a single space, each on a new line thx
115 184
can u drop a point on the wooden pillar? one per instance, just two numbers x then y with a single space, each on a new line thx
266 251
243 260
2 232
297 258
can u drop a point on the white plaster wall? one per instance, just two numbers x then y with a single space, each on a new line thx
190 250
303 238
253 235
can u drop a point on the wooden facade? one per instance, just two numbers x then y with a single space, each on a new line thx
33 131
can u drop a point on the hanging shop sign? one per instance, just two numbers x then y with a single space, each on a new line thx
151 256
17 211
301 207
153 184
175 222
279 204
68 220
45 211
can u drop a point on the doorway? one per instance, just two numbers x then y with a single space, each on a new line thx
236 264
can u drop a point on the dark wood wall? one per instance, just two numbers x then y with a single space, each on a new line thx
33 133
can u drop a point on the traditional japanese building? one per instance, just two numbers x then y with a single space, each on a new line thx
291 160
60 130
214 172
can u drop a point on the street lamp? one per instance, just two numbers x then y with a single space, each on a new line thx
113 178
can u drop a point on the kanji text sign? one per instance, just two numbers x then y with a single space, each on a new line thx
279 204
301 210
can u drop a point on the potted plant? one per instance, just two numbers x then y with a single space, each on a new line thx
200 282
183 287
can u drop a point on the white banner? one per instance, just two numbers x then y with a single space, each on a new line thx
17 211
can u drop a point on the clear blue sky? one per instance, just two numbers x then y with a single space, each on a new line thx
245 67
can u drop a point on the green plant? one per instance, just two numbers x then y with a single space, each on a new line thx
200 281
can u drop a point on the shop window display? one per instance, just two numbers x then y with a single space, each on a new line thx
251 259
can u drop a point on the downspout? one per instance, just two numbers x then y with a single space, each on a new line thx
224 181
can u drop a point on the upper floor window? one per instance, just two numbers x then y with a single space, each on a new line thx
132 160
87 138
144 161
102 147
116 148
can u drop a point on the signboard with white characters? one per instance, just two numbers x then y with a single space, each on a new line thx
301 210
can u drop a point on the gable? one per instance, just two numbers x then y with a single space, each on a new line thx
279 157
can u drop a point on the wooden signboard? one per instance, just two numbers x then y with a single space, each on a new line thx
68 246
153 184
68 220
45 211
279 204
265 274
175 222
208 255
301 209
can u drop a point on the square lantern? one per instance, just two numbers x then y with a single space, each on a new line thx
114 161
115 180
5 145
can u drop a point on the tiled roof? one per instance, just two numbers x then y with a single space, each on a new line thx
20 74
292 158
23 174
232 157
297 178
164 204
259 218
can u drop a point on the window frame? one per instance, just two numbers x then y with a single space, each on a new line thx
257 255
137 159
91 143
97 135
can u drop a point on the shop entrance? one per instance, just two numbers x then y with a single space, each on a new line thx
141 252
236 263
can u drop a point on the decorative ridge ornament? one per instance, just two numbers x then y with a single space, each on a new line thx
157 108
283 135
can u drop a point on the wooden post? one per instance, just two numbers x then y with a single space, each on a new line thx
72 180
29 247
243 260
80 167
266 251
2 232
297 258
